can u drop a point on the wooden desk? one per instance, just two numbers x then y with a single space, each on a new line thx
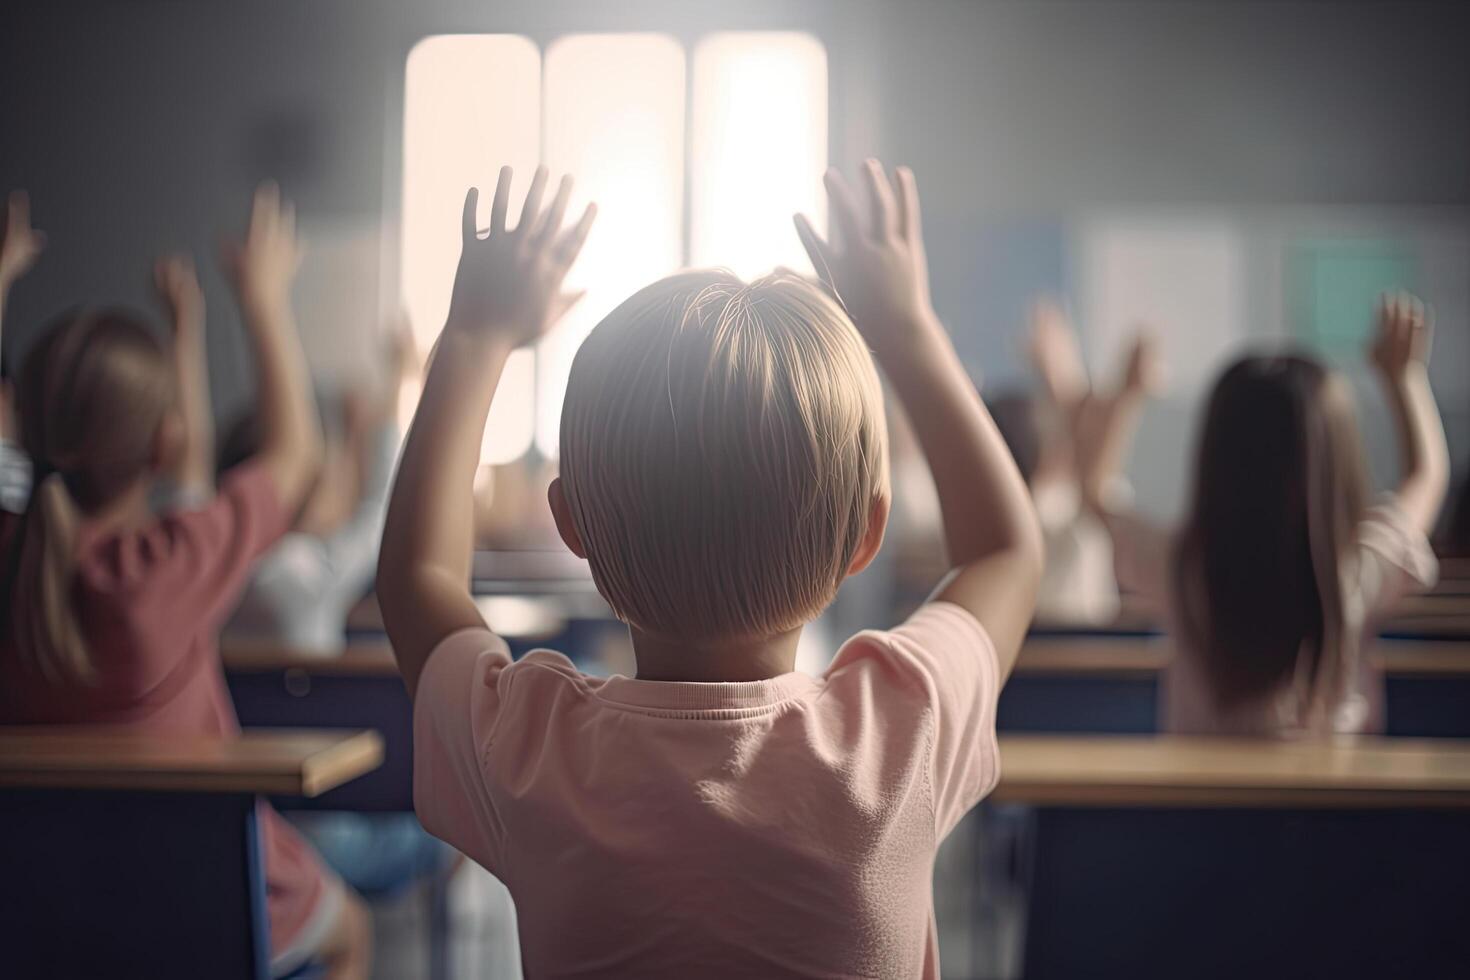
1125 655
1163 857
303 763
360 659
1442 613
140 855
1202 772
1108 684
1095 655
275 687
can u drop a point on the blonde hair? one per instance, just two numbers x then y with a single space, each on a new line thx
91 398
722 448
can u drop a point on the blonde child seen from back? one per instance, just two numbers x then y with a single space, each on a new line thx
723 468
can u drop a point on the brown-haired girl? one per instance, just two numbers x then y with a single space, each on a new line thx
1276 577
110 613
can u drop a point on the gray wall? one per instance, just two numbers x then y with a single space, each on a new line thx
142 126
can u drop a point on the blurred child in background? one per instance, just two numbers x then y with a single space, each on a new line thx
302 590
1064 439
1281 567
111 614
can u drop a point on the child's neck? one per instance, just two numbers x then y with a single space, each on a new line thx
672 659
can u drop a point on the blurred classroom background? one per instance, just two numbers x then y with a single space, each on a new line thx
1224 172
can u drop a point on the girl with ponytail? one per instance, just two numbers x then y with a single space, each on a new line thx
111 613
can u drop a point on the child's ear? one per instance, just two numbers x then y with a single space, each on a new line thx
872 538
562 514
168 441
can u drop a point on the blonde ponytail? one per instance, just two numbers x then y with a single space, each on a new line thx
45 619
91 397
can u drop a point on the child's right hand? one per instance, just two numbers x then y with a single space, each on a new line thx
20 244
1143 372
1056 355
178 286
1402 340
264 265
875 263
509 283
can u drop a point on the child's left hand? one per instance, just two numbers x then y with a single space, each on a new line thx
509 283
178 286
1143 372
20 244
1052 345
1402 340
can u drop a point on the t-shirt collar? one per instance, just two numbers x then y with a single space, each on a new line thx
700 696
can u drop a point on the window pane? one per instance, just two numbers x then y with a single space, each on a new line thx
471 104
615 122
1181 277
759 148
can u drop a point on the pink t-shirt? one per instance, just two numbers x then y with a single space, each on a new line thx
151 603
784 827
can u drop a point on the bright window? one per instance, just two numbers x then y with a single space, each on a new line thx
759 148
471 104
614 121
1179 277
610 109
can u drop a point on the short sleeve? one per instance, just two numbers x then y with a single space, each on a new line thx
184 573
454 715
1395 558
956 661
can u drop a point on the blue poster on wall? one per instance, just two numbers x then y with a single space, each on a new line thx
986 274
1334 285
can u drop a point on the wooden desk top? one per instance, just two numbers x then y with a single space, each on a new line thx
275 762
1171 771
1094 656
1443 613
1126 656
359 659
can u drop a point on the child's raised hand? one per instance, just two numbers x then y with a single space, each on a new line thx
20 244
1055 354
509 283
875 263
178 287
1143 371
265 263
1402 340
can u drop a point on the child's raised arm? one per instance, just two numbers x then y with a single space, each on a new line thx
20 246
507 293
1106 424
1399 352
876 266
263 267
178 287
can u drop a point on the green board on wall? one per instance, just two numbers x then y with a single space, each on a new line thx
1333 286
